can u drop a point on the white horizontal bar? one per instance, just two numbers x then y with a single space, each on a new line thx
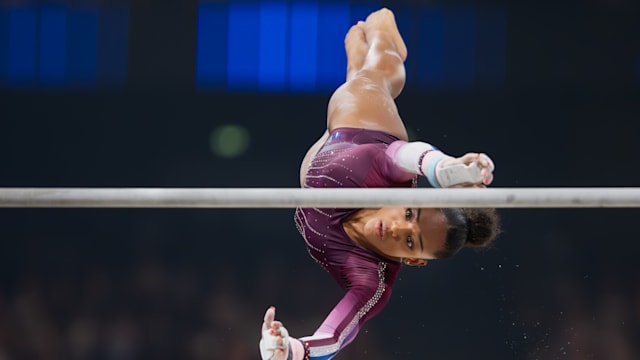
294 197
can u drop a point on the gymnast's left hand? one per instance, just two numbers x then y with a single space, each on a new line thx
475 168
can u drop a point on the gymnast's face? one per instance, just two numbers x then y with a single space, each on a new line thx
413 234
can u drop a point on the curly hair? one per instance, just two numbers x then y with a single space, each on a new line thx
469 227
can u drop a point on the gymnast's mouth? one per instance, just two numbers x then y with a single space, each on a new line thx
380 230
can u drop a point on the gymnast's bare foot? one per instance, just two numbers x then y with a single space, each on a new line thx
274 344
383 20
356 46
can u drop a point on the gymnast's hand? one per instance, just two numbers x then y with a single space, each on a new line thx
469 170
274 344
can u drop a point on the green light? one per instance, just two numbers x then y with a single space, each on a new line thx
229 141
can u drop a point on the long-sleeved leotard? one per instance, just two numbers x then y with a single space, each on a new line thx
350 158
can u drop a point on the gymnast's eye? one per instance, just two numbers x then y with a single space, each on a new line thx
408 214
410 242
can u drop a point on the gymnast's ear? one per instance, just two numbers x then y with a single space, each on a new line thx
415 262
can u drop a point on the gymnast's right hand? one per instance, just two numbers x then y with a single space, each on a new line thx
274 344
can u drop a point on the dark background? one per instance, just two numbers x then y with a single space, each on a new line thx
194 284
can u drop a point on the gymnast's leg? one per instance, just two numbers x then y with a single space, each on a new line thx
366 99
375 77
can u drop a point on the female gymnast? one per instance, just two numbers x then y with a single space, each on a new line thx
366 145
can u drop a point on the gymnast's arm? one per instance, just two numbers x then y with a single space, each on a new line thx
343 323
442 170
368 293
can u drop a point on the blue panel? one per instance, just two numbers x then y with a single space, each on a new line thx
491 30
430 51
21 60
242 65
113 36
273 45
332 64
459 52
53 30
4 45
304 46
211 47
361 10
82 28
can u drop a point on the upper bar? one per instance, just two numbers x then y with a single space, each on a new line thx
327 198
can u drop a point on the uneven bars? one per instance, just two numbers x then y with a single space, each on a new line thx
327 198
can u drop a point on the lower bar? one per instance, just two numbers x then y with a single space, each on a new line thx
327 198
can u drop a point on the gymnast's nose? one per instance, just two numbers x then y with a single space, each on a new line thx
401 229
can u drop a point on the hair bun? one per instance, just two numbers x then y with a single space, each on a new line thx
483 225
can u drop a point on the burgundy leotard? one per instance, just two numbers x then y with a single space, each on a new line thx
349 158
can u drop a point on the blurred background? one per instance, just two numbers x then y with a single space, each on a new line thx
231 93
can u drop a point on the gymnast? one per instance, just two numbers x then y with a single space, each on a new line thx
366 145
